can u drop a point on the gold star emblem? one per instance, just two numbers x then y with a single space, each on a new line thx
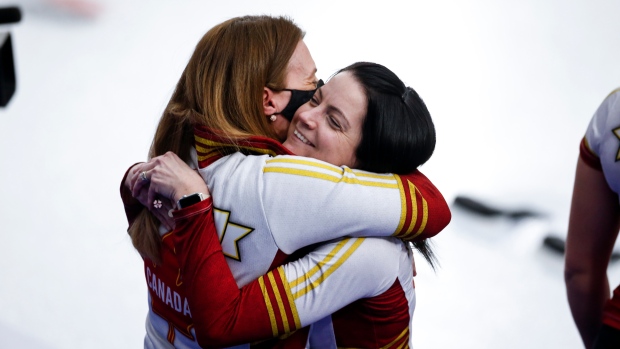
229 233
616 132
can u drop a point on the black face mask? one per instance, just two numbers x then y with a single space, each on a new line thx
298 98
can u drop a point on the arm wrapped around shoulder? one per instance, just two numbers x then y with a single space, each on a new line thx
425 212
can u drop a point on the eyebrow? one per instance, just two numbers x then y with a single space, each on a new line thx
336 110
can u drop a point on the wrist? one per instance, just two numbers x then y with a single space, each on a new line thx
190 199
186 189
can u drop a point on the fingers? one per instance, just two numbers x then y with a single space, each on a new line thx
135 175
166 176
142 182
129 177
141 175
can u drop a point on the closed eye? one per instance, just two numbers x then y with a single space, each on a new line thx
334 123
314 101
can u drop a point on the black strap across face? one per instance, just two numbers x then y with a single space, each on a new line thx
298 98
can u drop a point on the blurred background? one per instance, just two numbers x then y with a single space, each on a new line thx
511 86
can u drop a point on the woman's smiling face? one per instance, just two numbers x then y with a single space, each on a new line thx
329 126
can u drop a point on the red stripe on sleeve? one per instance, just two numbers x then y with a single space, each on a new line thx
587 155
290 316
274 303
439 215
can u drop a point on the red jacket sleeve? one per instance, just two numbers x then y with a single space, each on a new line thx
223 314
132 205
427 213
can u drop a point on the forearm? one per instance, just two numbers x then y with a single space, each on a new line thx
592 231
433 211
132 206
337 201
223 315
285 299
587 296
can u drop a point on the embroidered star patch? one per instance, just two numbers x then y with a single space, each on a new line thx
229 233
616 132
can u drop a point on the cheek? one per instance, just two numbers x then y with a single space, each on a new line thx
280 126
346 149
340 150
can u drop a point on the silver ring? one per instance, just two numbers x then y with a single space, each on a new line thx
143 176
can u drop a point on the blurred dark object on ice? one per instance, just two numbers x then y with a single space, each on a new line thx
480 208
557 244
8 15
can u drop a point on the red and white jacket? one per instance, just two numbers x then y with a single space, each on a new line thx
365 284
269 206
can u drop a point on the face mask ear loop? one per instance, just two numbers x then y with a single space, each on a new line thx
298 98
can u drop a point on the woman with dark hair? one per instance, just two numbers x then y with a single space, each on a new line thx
364 112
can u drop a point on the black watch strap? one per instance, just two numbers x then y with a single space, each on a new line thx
188 200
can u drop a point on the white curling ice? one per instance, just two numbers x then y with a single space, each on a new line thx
511 87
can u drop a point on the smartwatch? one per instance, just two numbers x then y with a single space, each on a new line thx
188 200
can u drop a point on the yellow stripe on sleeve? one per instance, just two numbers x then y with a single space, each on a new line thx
303 173
414 208
359 173
289 296
330 270
327 177
276 293
328 172
322 165
404 231
319 265
400 336
272 316
424 218
329 167
403 205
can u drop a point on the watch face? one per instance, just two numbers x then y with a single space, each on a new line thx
190 200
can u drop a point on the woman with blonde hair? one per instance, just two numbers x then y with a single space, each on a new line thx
237 73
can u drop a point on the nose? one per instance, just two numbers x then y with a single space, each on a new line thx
308 118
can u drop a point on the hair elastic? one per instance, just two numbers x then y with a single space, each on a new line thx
407 89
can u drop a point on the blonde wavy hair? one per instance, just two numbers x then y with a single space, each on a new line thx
221 88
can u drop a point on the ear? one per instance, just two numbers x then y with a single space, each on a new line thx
269 102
